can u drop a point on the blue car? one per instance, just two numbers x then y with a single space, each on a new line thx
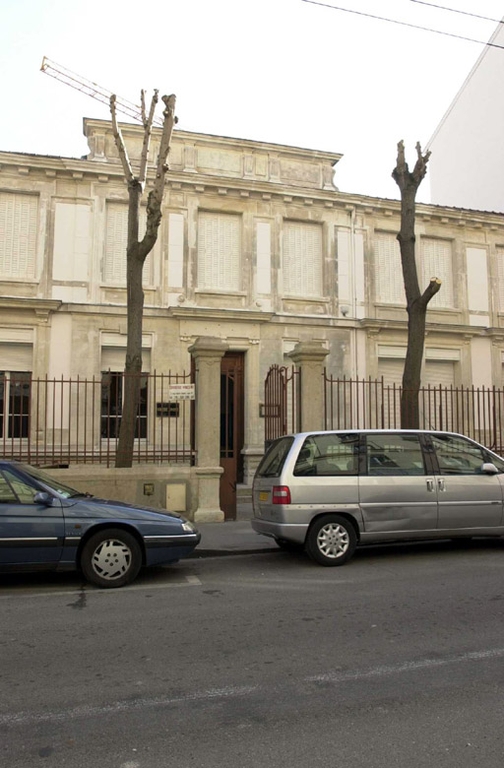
45 525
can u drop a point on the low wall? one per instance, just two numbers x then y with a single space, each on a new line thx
162 487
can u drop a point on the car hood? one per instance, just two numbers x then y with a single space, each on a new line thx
95 507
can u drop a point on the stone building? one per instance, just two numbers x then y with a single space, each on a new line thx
257 248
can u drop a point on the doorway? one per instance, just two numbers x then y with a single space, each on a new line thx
231 430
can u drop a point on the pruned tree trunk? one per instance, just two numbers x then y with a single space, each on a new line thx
136 253
416 302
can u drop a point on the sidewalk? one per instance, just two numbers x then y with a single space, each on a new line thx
234 537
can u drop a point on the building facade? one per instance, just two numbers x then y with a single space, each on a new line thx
257 248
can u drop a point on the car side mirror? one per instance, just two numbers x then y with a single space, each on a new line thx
489 469
42 497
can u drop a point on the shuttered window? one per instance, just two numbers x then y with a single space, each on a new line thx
391 370
437 261
18 234
437 400
116 241
302 259
219 251
388 270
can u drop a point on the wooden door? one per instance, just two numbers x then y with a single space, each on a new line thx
231 430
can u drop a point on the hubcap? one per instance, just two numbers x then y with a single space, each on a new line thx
333 540
111 559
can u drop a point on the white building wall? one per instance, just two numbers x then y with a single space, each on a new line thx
467 162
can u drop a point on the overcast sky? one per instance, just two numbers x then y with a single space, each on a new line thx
282 71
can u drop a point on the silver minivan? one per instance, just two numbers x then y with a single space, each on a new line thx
331 491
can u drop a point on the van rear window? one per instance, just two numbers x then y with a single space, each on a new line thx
274 458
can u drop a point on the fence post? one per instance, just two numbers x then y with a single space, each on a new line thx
207 353
310 357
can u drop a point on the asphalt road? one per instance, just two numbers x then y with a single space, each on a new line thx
396 659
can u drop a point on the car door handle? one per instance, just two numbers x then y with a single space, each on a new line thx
441 484
430 484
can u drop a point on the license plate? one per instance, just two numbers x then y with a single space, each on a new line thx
263 495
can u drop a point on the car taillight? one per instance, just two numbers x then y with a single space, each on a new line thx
281 494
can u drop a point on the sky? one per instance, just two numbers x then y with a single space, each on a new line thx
281 71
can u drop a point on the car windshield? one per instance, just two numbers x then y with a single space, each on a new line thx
50 482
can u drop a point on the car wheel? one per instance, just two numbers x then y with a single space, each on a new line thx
288 546
111 558
331 540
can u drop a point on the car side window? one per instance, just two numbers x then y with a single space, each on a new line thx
24 493
457 456
328 454
7 495
394 454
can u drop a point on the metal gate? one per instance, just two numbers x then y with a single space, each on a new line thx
282 402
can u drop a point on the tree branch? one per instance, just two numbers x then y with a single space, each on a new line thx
431 290
147 121
420 168
155 198
401 173
119 141
142 105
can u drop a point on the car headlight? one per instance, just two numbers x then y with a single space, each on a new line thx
188 527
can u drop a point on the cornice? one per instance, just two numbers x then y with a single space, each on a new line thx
227 315
36 305
82 169
375 326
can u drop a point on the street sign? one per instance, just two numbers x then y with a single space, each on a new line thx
181 392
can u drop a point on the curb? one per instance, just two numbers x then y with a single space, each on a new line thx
204 553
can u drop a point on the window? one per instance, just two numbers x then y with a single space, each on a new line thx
24 493
394 455
302 259
272 463
388 269
457 456
112 402
116 241
328 454
219 251
15 391
18 234
437 261
7 495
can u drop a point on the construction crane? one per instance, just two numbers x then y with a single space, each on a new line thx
94 90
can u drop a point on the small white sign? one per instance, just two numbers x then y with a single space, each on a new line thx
180 392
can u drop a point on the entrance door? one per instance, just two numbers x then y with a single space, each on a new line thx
231 430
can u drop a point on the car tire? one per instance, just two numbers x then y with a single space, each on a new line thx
288 546
111 558
331 540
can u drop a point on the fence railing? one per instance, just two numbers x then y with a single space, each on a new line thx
281 408
57 422
373 404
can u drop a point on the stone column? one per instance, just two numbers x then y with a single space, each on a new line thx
310 357
207 353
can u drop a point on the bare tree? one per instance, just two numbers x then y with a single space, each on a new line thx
136 253
416 302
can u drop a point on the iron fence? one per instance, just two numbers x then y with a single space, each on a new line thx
63 421
373 404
